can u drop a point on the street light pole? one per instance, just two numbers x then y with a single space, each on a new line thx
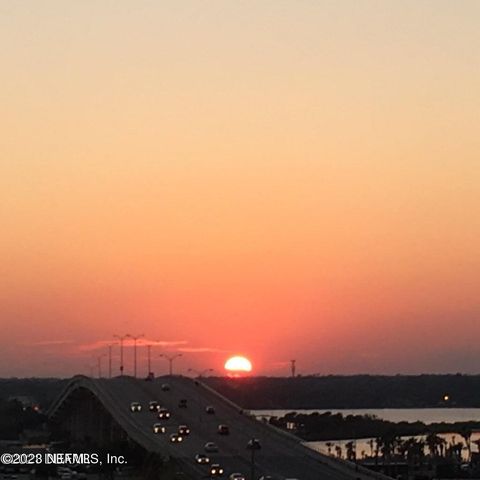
170 359
121 338
110 359
99 365
135 338
149 360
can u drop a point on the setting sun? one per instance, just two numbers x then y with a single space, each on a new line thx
238 364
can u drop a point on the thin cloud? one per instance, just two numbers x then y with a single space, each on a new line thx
48 343
128 342
164 343
200 350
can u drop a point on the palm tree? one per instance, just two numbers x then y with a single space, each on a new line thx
415 450
442 446
338 450
433 442
397 445
378 448
456 450
371 443
329 446
466 434
350 451
402 448
388 445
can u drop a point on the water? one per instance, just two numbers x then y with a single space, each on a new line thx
363 447
425 415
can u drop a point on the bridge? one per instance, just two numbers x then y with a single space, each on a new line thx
99 409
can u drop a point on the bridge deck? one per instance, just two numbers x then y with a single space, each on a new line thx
282 455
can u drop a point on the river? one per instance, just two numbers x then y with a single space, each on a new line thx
425 415
363 446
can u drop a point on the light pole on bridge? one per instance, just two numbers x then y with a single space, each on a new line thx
149 361
99 364
121 338
170 359
110 346
135 338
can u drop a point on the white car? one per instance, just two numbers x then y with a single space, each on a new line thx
216 470
237 476
223 429
135 407
202 459
159 428
183 430
153 406
163 413
176 438
211 447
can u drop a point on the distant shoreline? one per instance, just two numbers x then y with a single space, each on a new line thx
335 426
352 392
334 392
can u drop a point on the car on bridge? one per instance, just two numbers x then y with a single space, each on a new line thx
216 470
237 476
223 429
135 407
176 438
183 430
163 413
153 406
182 403
159 428
254 444
202 459
210 410
165 387
211 447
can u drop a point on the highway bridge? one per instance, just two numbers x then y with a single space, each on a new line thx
99 409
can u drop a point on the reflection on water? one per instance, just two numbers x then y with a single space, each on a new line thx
366 447
425 415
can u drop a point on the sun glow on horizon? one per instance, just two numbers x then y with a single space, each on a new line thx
238 364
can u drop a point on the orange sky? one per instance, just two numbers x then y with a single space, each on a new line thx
275 179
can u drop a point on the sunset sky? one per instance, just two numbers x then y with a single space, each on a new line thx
275 179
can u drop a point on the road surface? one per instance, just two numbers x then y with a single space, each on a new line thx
282 455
